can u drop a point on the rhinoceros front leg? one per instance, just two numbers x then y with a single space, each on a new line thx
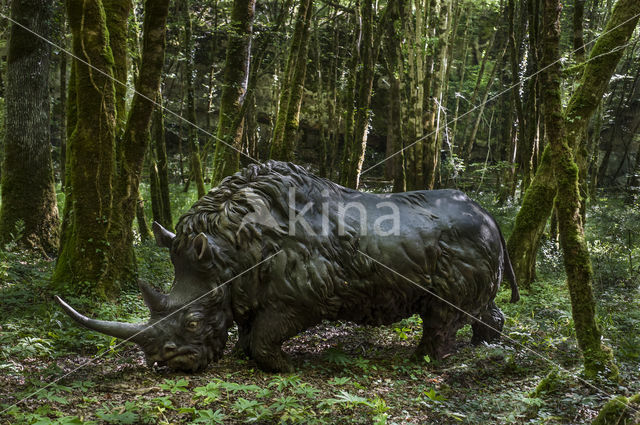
492 317
268 332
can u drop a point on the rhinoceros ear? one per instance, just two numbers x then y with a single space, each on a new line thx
203 249
164 238
155 300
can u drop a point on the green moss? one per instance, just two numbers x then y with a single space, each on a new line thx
531 220
549 384
618 411
226 160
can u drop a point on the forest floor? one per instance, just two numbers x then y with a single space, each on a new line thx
53 372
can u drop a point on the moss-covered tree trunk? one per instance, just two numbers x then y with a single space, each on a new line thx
96 256
84 264
226 158
28 192
578 32
161 167
538 199
620 411
62 112
136 135
287 120
117 19
187 73
597 358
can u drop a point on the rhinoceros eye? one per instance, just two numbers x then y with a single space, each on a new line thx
192 325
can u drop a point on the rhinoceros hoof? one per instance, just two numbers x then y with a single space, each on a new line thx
482 334
434 351
277 364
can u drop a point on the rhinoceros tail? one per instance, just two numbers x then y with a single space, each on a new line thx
510 274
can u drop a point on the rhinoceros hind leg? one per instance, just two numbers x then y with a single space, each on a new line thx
492 322
437 340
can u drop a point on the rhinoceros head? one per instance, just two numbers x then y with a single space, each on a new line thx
188 327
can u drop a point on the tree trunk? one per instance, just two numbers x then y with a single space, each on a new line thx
468 147
96 255
529 151
136 136
84 265
28 192
597 358
63 112
434 85
284 132
393 54
117 19
226 159
162 163
463 70
578 33
192 132
536 206
633 182
415 84
355 146
141 219
509 176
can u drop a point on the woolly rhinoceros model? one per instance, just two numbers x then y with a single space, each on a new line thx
277 250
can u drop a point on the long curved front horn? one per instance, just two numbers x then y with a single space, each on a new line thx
129 331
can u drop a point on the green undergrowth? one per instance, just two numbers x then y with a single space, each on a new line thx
343 373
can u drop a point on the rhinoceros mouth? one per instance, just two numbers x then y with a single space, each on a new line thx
187 361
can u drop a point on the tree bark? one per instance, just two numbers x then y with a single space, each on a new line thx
530 146
28 192
192 132
63 105
226 159
463 70
468 147
162 164
141 219
355 147
393 55
578 33
84 265
96 255
136 136
117 19
537 203
597 358
284 132
434 85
